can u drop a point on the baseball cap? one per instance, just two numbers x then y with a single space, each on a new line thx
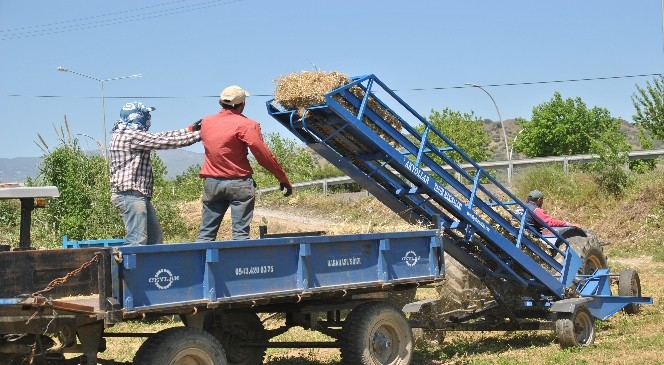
233 95
535 194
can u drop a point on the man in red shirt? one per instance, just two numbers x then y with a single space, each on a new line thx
228 136
534 202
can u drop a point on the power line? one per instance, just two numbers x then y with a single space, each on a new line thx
12 30
413 89
58 27
537 82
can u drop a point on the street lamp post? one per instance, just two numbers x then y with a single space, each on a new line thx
103 101
502 125
514 142
510 168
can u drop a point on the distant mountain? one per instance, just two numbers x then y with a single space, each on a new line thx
18 169
178 161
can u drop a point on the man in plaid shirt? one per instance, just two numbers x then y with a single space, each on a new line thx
131 169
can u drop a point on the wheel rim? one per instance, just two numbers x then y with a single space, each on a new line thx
192 356
583 328
592 264
385 344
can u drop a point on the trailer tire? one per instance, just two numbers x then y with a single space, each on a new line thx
629 284
232 330
575 329
376 333
181 346
591 252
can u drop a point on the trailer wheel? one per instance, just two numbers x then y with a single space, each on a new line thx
591 252
376 333
575 329
181 346
39 344
629 284
234 330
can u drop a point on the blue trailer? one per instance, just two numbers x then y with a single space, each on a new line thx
218 289
556 282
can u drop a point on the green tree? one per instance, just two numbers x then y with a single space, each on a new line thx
649 105
563 127
611 168
465 130
188 185
83 210
641 166
159 172
298 163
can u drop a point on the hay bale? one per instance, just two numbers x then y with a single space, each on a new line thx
299 91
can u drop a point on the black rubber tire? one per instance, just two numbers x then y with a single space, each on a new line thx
461 288
376 333
591 252
181 346
629 284
232 329
24 359
575 329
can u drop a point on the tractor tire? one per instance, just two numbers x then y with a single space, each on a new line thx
461 288
629 285
590 251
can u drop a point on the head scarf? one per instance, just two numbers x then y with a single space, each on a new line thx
133 115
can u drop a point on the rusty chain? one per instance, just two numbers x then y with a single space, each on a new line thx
64 279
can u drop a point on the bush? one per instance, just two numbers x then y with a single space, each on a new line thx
611 168
9 221
83 210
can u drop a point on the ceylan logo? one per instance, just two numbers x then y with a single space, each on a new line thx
410 258
163 279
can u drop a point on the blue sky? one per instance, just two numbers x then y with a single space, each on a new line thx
188 51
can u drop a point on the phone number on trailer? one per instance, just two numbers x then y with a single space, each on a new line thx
253 270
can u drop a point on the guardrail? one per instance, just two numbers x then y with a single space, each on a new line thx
496 165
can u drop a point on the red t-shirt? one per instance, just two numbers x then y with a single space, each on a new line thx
549 220
228 136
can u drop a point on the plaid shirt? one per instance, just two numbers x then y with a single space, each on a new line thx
131 166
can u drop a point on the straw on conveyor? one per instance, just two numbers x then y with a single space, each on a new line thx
299 91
